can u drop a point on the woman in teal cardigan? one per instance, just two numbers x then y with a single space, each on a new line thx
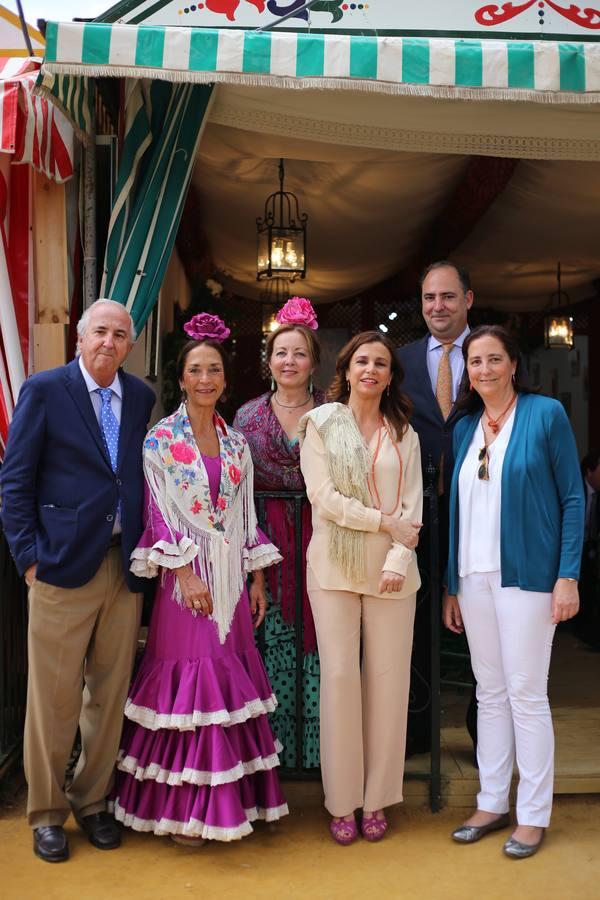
516 535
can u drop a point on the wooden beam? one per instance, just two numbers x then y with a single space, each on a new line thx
50 266
49 348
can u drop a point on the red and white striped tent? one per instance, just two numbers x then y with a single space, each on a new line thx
34 135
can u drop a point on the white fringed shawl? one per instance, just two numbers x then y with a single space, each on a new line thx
214 538
348 463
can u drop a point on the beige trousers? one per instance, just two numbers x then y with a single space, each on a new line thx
81 648
364 707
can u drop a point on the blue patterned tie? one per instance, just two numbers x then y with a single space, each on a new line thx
109 426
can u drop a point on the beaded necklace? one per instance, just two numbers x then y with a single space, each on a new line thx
377 499
494 424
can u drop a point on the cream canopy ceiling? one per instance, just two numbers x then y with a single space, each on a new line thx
373 173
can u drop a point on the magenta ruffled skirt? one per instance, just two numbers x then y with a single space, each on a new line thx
197 755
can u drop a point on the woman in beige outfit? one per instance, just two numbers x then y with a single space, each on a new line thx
361 463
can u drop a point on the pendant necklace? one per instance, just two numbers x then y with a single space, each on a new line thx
494 424
284 406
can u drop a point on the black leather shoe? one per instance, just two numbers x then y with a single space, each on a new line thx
102 830
50 843
469 834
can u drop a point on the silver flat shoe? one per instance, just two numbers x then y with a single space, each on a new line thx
469 834
516 850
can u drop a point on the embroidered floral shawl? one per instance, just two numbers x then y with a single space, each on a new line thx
215 537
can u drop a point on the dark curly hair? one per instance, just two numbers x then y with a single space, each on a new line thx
396 407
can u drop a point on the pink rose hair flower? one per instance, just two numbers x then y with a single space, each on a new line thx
298 311
204 327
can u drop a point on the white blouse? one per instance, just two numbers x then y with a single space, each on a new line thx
479 504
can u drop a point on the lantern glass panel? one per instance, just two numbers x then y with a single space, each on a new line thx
559 332
287 250
263 252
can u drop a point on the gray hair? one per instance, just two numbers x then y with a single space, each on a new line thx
84 321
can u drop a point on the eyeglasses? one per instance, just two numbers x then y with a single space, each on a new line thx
483 472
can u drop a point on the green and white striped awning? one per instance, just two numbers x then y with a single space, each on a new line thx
546 71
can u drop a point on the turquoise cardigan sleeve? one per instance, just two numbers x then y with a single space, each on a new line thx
542 516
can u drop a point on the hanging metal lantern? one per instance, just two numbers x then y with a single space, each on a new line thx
282 236
275 291
558 325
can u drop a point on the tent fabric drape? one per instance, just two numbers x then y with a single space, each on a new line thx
163 125
542 71
33 136
74 97
371 211
34 132
383 122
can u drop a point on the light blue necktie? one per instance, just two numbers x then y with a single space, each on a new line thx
109 425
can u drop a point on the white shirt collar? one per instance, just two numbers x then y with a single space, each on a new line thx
92 386
434 343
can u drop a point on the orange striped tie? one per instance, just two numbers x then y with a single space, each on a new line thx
443 389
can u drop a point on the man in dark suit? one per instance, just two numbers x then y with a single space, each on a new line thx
433 369
72 497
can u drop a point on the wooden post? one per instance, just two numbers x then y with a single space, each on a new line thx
90 272
50 265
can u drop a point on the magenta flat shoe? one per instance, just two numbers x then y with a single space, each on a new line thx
373 829
343 832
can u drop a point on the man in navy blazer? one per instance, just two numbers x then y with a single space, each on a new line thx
446 297
72 501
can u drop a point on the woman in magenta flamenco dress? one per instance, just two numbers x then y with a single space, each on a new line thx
198 757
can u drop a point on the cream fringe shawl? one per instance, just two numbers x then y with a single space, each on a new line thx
219 557
348 463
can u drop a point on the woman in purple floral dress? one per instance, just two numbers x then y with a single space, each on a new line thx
270 424
198 756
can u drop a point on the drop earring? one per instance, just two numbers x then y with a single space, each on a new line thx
388 390
273 385
310 385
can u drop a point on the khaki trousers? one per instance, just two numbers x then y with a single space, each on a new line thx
81 646
364 707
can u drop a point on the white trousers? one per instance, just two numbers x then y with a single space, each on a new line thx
510 635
